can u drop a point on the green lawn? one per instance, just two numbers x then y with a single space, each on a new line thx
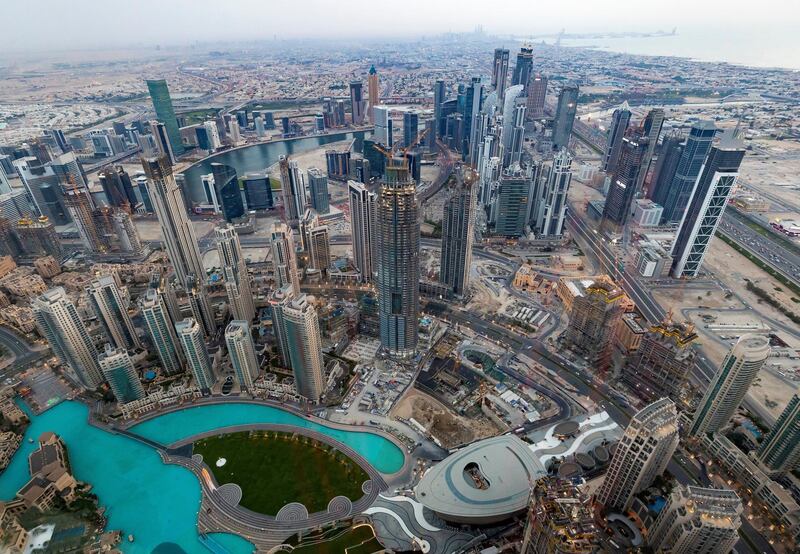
354 540
274 469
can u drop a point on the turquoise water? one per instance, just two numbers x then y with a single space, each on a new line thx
158 503
166 429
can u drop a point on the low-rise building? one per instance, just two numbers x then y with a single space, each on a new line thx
9 442
47 266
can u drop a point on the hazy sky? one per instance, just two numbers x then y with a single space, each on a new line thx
67 24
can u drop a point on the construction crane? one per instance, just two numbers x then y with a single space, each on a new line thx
391 153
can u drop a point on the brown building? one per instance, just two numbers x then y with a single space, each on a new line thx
629 332
560 520
47 266
592 321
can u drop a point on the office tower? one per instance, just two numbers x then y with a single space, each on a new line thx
284 257
698 144
373 91
203 139
560 519
458 232
293 191
729 385
780 449
116 231
212 132
706 207
280 298
226 184
651 128
60 140
261 131
15 206
176 229
199 305
642 455
410 128
113 189
210 192
162 103
234 270
79 206
111 310
257 191
555 195
318 190
383 132
241 118
513 119
163 147
338 162
523 68
117 368
592 320
5 186
500 71
661 365
473 100
397 255
234 132
616 131
512 202
38 237
299 324
565 116
362 229
190 335
697 520
357 103
44 188
316 242
439 92
61 325
669 154
537 94
617 209
242 352
161 330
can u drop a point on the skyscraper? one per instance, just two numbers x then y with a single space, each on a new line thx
165 113
293 191
511 204
176 229
676 196
161 329
651 128
523 68
619 125
200 305
729 385
242 352
660 366
555 195
316 241
299 324
565 116
500 71
190 335
592 320
397 254
363 228
473 99
79 206
642 455
780 450
537 94
318 189
110 309
617 209
383 126
373 91
117 367
697 520
357 102
61 325
410 127
284 257
706 206
234 270
669 155
458 232
439 92
226 184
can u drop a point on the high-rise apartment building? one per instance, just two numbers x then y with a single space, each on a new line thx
190 335
363 228
697 520
293 191
556 188
780 449
537 94
706 206
651 128
593 318
566 109
318 189
111 310
617 209
284 257
357 104
242 353
410 127
523 68
200 305
729 386
616 131
61 325
676 196
176 229
161 330
439 91
511 202
302 343
397 254
234 270
316 242
669 154
117 367
560 520
165 113
500 71
383 132
642 455
458 232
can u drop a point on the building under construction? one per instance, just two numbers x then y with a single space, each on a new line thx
661 365
560 520
592 321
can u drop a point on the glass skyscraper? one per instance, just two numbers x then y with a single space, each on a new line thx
165 113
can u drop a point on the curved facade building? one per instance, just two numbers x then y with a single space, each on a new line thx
398 260
226 183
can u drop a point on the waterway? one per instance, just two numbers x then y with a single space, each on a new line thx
258 157
155 502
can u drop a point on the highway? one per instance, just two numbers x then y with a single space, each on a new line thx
24 354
